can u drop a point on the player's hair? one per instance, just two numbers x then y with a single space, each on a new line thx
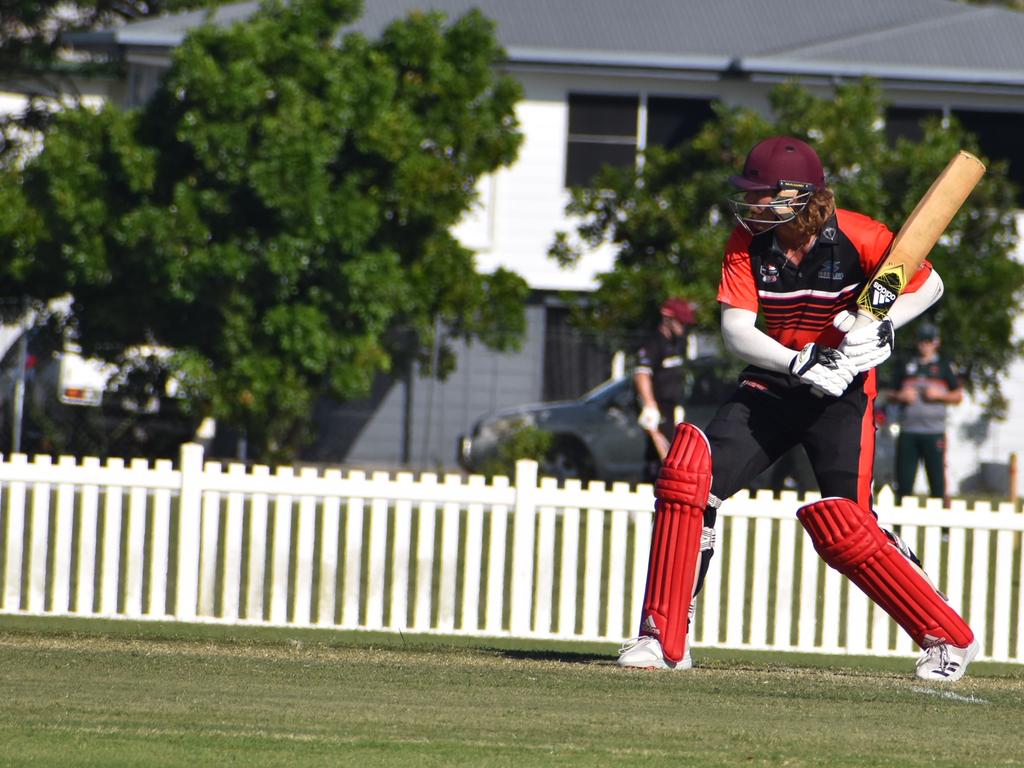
819 207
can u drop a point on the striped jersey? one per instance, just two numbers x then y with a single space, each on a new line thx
797 302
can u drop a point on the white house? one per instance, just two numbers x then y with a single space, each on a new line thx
602 78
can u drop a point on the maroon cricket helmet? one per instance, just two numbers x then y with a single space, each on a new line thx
682 310
780 162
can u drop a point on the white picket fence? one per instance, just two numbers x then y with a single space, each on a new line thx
203 543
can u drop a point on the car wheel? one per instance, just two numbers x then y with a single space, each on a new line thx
568 459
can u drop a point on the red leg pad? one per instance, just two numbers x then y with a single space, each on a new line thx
681 494
848 538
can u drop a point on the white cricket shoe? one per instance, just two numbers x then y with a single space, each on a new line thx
946 662
645 653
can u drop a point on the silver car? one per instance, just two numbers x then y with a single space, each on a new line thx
597 435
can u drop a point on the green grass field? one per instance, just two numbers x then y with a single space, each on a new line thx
88 693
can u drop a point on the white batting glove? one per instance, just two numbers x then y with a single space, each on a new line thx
824 368
649 418
868 346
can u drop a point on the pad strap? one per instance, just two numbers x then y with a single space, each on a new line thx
681 494
848 538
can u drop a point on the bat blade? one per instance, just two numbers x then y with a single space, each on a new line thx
918 235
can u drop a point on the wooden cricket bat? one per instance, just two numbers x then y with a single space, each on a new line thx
918 236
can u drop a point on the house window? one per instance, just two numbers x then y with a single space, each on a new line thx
609 130
575 360
673 121
602 131
905 122
999 137
998 133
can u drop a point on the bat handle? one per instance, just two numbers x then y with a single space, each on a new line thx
864 318
860 320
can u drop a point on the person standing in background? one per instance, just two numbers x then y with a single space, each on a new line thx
928 384
658 378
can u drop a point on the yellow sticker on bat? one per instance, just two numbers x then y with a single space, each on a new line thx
882 290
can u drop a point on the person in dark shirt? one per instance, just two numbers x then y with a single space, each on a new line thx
791 274
658 378
927 385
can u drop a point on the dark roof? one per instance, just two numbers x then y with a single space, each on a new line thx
936 40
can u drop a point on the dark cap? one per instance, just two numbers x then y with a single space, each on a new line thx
927 332
682 310
775 161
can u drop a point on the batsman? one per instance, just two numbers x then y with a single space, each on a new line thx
832 288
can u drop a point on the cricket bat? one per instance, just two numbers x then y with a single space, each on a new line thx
918 236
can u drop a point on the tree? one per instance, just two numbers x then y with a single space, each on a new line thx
33 58
1015 5
668 222
280 212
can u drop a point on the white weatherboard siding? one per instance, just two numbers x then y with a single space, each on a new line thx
11 103
963 456
522 207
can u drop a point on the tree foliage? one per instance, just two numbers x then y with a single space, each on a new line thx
280 212
35 61
668 222
1015 5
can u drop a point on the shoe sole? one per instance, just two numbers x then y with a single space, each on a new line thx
972 653
657 667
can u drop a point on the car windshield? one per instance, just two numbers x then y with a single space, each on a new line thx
707 380
603 390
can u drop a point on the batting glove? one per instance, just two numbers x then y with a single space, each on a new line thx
824 368
868 346
649 418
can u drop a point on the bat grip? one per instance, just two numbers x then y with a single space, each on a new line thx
862 319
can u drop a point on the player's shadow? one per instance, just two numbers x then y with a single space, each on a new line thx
564 657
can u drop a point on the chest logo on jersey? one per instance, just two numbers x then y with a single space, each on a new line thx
769 273
831 271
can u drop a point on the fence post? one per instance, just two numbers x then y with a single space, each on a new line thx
14 555
1013 478
523 534
189 499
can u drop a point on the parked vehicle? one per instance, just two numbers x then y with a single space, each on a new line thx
597 435
85 406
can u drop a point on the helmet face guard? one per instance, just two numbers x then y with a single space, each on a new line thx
785 168
789 200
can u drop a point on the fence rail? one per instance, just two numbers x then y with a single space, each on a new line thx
203 542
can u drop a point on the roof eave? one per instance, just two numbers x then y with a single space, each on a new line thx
605 59
851 70
92 40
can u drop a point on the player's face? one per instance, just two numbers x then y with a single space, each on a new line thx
759 211
760 216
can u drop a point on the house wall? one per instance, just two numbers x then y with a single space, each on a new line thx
374 432
972 443
521 208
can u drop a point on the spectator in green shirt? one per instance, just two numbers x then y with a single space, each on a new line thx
928 384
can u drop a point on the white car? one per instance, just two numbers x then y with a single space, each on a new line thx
79 405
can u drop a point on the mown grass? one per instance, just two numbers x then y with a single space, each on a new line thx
118 693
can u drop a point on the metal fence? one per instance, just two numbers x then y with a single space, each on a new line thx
530 559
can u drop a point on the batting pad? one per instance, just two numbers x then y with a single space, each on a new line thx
681 494
848 538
